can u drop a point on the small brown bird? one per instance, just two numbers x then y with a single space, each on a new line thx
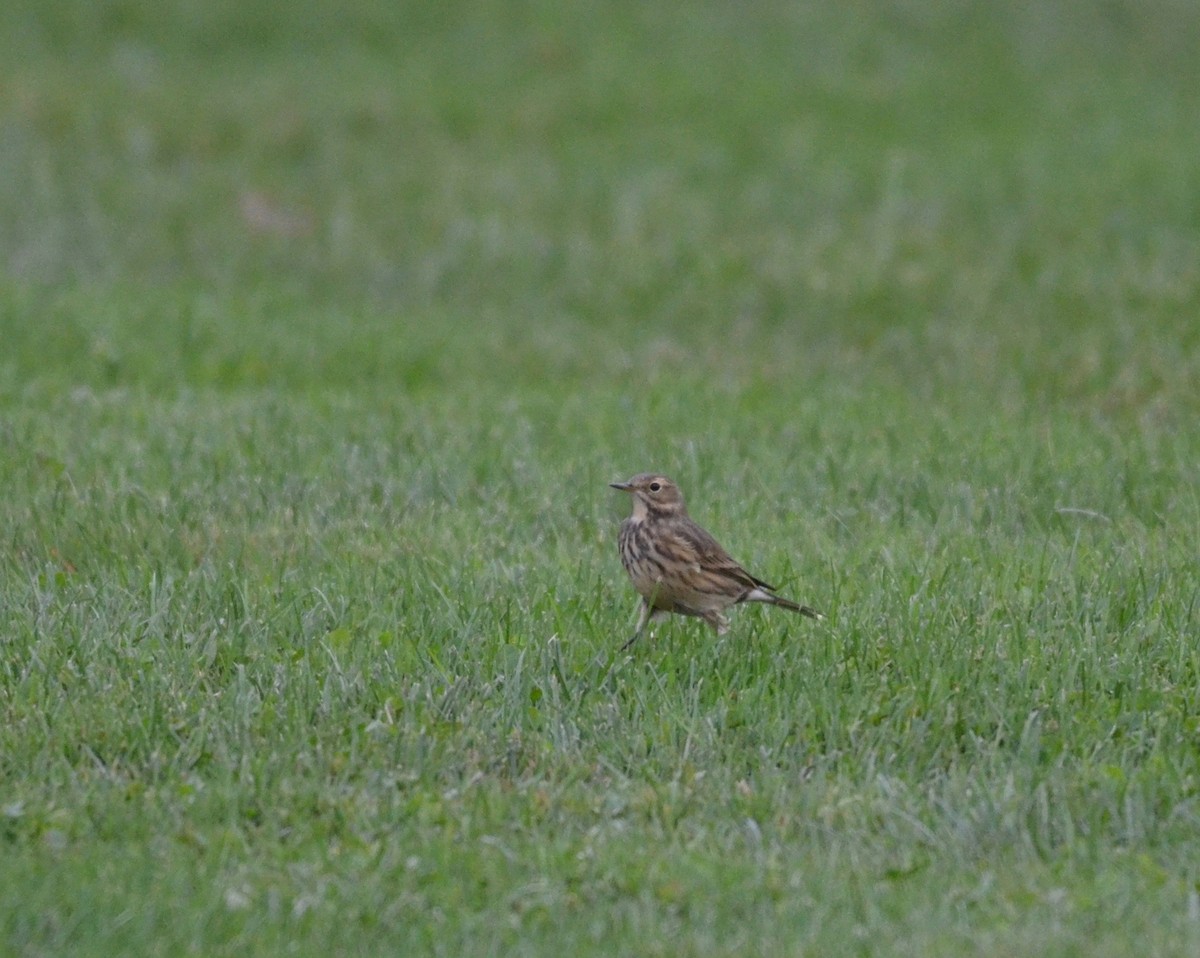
676 566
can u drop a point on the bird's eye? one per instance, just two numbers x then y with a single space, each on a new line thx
655 486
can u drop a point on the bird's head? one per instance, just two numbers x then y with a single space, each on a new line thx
653 495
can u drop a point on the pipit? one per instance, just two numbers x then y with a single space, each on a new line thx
676 566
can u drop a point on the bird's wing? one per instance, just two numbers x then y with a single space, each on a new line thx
712 558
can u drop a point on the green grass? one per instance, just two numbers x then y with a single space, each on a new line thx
323 328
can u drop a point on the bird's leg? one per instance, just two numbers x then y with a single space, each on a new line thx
719 623
643 618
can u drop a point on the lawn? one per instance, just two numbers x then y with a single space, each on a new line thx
323 328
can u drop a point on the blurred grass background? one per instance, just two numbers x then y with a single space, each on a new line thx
886 179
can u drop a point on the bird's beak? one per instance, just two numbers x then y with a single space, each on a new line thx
623 486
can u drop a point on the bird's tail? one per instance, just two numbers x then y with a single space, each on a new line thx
762 595
796 607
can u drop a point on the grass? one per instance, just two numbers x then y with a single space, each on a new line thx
323 331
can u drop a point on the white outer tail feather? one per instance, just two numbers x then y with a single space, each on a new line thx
760 595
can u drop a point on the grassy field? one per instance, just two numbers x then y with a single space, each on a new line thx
323 328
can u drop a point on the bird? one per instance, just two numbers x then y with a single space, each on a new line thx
677 566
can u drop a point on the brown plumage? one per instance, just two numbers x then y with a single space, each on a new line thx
676 566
